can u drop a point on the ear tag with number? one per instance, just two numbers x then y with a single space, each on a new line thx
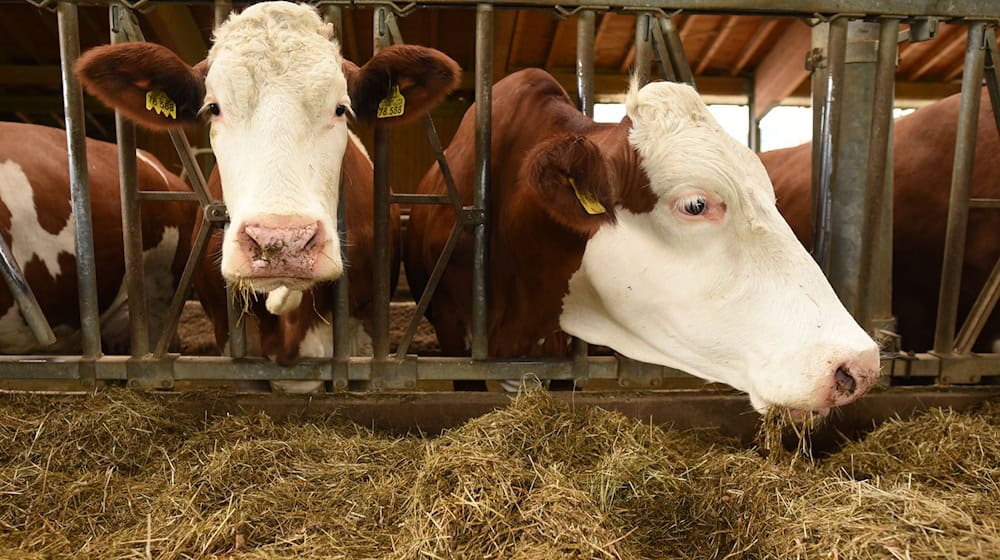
590 204
161 103
392 105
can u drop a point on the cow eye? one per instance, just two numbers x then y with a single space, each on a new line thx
214 109
341 109
695 206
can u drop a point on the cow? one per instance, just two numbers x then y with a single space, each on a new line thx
278 96
36 221
924 151
657 237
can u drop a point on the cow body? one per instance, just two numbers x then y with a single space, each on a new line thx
657 237
37 222
924 152
278 96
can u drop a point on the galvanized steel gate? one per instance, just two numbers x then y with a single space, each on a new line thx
849 67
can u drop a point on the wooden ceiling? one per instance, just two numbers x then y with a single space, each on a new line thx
729 54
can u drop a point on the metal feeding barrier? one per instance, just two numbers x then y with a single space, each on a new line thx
852 63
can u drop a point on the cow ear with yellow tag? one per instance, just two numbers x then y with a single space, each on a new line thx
570 175
147 82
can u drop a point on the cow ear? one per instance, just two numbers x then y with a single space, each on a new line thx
147 82
400 83
570 176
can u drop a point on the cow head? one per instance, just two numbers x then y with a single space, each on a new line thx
278 96
694 267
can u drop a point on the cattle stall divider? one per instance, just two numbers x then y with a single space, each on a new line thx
151 366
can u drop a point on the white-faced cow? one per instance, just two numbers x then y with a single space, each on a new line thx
278 96
37 222
657 237
924 151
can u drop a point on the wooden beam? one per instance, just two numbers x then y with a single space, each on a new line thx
177 30
565 35
783 68
908 94
46 75
505 23
754 46
610 86
728 25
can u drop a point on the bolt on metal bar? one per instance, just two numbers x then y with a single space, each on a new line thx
675 49
484 135
961 181
985 303
878 162
585 61
135 276
643 48
429 289
381 211
24 297
173 315
827 138
86 269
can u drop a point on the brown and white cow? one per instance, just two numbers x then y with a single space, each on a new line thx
657 237
278 96
37 222
924 151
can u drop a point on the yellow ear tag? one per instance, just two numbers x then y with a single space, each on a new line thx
589 203
159 102
392 105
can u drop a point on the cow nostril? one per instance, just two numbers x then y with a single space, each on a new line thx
312 241
844 382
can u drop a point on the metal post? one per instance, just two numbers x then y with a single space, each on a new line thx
237 329
675 49
480 196
380 314
23 296
818 64
961 179
872 245
131 215
86 270
341 300
222 9
753 123
827 139
335 15
643 48
585 62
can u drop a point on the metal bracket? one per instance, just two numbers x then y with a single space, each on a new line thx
816 59
565 13
923 29
638 375
217 214
471 216
395 374
146 374
960 370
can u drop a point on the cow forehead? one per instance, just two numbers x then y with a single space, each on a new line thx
275 46
682 146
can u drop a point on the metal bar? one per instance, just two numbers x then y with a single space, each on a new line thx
135 276
429 289
991 203
643 48
86 269
480 195
961 181
753 123
335 15
406 198
341 300
173 314
992 72
449 180
660 50
237 328
828 140
23 296
585 61
222 9
165 196
195 176
380 158
675 48
878 163
980 312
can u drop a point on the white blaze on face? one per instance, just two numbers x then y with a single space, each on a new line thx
275 76
713 281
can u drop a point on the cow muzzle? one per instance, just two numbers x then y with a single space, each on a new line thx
288 251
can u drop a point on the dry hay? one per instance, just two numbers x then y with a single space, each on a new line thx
122 475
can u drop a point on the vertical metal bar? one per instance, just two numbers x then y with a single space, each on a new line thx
961 179
878 163
173 315
341 297
484 135
882 316
753 123
662 54
131 214
69 51
335 15
222 9
675 48
829 137
380 158
585 61
237 328
643 48
992 70
24 297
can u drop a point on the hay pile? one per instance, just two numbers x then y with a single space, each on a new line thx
121 475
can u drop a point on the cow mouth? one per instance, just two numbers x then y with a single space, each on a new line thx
267 284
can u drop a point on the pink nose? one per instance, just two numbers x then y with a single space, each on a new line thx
281 246
853 378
